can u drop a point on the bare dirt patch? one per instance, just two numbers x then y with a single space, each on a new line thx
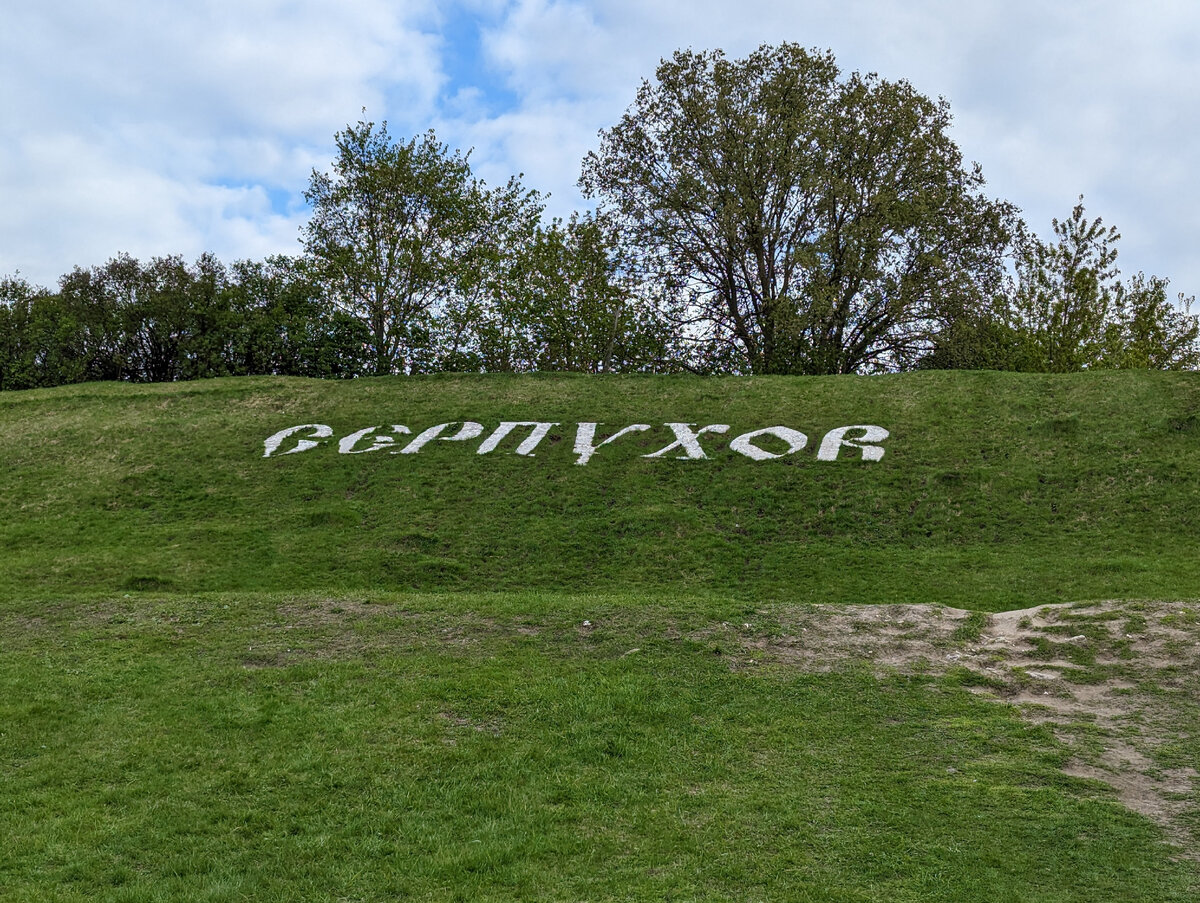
1119 681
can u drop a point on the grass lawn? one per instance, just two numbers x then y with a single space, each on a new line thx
233 747
455 676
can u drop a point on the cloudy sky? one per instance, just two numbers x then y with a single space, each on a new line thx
157 128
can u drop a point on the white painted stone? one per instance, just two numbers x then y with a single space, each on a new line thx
469 430
835 440
346 445
536 435
585 438
319 431
687 439
795 439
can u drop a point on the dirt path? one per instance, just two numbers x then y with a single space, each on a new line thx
1118 681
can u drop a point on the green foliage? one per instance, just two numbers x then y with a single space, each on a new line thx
809 223
1065 309
765 215
1064 293
402 234
165 321
568 304
283 325
148 323
1146 331
38 340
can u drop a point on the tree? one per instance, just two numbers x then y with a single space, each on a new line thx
1064 292
154 322
567 304
38 338
1148 332
285 326
812 224
1065 308
399 230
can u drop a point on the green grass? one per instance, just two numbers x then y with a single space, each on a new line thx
236 747
989 484
369 677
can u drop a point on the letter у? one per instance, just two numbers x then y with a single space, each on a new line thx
686 439
585 438
835 440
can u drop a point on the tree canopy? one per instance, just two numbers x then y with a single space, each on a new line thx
811 223
1064 307
402 232
760 215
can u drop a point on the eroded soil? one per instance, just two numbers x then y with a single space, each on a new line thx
1118 681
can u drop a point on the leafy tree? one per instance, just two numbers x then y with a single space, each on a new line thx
285 326
99 345
1064 292
157 322
567 304
475 325
1065 308
400 230
1146 331
811 223
38 338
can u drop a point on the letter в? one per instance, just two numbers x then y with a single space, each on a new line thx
319 431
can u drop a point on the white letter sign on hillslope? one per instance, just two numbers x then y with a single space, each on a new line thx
795 439
836 439
346 446
862 439
688 440
585 438
525 448
320 431
470 430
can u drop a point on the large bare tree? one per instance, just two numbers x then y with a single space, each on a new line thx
810 223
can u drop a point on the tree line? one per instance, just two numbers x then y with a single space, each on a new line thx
760 215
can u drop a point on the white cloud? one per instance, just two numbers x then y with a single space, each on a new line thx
171 129
1053 100
151 128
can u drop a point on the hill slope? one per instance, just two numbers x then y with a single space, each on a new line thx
994 491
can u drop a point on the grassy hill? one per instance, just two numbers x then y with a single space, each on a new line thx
447 675
990 483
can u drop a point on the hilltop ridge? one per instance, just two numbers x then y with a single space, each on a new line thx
978 490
